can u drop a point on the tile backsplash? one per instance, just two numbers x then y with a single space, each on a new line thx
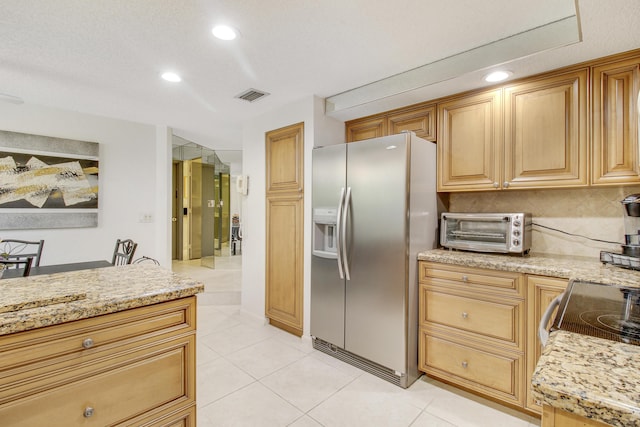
595 213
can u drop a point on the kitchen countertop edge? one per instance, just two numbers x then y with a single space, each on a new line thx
100 291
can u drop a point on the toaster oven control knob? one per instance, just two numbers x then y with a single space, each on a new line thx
516 233
516 223
516 242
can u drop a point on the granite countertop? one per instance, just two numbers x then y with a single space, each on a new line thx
579 268
37 301
591 377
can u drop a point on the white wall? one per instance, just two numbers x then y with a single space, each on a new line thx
134 173
318 130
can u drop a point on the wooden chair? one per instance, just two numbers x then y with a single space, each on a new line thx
25 264
17 250
123 252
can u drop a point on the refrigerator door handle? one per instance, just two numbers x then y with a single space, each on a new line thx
339 234
343 233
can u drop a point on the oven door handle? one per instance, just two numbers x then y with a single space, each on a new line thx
543 334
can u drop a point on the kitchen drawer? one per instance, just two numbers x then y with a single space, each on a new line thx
182 418
499 282
137 384
102 331
494 374
497 319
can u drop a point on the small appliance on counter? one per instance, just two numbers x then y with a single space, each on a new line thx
600 310
630 256
486 232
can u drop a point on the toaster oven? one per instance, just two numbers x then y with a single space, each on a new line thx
486 232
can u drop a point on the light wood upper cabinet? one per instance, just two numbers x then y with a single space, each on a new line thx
545 141
366 128
615 122
421 120
284 159
470 142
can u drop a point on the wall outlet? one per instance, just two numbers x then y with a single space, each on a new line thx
146 217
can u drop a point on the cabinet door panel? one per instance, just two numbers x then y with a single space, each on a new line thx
545 141
469 142
615 123
284 262
367 128
284 159
541 291
422 121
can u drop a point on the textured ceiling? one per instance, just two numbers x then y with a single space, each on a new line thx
105 57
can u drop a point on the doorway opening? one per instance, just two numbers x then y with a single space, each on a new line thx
206 211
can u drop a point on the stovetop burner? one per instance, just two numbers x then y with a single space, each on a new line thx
604 311
613 323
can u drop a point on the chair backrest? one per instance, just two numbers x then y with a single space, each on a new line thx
16 250
25 264
123 252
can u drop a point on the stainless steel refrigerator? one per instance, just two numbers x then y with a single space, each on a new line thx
374 209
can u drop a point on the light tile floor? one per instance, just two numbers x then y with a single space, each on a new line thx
251 374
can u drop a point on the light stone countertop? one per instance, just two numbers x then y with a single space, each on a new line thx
579 268
591 377
37 301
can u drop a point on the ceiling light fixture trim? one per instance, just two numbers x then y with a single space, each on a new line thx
497 76
224 32
172 77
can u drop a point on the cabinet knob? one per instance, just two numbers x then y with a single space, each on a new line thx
464 365
88 412
465 315
496 185
87 343
505 184
465 278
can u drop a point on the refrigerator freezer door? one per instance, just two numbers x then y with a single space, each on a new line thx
377 236
327 288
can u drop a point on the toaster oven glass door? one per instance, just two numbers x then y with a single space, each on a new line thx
478 232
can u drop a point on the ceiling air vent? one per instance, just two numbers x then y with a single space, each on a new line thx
251 95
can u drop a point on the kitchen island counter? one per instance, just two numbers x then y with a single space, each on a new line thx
590 377
562 266
106 346
34 302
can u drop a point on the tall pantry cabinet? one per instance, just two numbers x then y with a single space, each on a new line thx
284 227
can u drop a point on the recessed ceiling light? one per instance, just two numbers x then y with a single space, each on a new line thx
171 77
224 32
497 76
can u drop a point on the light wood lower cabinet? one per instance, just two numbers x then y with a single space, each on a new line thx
552 417
135 367
479 329
472 329
541 291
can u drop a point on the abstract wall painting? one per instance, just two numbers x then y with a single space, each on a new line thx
47 182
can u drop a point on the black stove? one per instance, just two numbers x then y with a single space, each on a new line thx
605 311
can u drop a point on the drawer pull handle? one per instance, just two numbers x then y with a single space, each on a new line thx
88 412
87 343
464 365
465 278
465 315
